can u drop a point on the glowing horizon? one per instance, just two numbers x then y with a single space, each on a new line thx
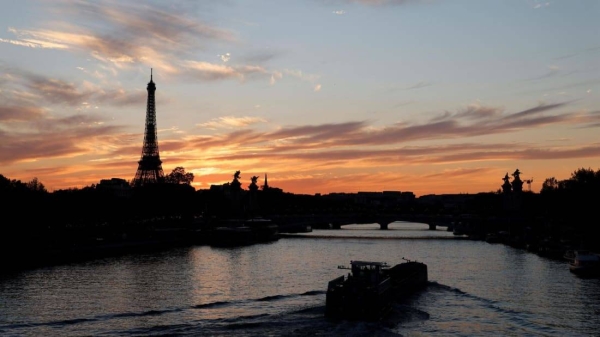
323 96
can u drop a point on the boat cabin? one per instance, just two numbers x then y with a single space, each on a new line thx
365 270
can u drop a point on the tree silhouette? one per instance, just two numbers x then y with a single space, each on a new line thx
179 176
550 184
36 185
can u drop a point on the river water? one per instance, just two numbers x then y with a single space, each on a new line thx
278 288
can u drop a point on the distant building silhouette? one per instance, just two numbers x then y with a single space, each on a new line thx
150 169
116 186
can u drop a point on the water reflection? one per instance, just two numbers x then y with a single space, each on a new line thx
275 288
396 230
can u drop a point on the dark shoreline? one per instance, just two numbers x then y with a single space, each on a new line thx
301 236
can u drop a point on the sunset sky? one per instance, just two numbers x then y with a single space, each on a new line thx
428 96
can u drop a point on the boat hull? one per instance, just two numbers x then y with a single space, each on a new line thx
350 299
585 270
585 263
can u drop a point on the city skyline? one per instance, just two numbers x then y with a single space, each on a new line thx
324 96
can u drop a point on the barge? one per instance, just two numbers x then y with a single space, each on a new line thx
370 289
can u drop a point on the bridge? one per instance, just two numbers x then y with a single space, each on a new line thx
336 221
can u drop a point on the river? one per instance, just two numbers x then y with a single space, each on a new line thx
278 288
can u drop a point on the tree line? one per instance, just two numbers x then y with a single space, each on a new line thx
32 214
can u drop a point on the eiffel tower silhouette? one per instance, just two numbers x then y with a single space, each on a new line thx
150 169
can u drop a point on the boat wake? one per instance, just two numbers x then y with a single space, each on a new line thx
436 309
458 311
225 321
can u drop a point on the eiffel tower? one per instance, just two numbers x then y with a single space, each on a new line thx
149 170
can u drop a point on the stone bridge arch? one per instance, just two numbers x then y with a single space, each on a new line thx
383 224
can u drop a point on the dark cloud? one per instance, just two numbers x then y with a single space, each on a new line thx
129 32
537 109
419 85
552 71
332 144
118 164
475 112
404 154
260 57
470 122
20 113
531 123
42 171
582 84
30 147
121 98
35 88
463 172
588 151
320 132
55 91
434 154
169 145
234 138
50 137
125 34
587 50
163 24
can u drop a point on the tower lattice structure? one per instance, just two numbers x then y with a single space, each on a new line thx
150 166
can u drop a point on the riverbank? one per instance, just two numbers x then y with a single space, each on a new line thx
77 245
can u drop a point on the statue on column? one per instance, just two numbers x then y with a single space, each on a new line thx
517 183
253 198
506 187
253 186
235 184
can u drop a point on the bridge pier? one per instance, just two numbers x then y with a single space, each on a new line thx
432 226
336 225
383 225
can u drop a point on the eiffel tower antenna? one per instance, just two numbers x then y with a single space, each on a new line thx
150 166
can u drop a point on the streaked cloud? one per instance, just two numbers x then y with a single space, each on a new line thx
151 35
301 75
472 121
29 88
418 85
32 43
161 37
76 115
231 122
537 4
19 113
460 172
552 71
47 137
260 56
211 71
